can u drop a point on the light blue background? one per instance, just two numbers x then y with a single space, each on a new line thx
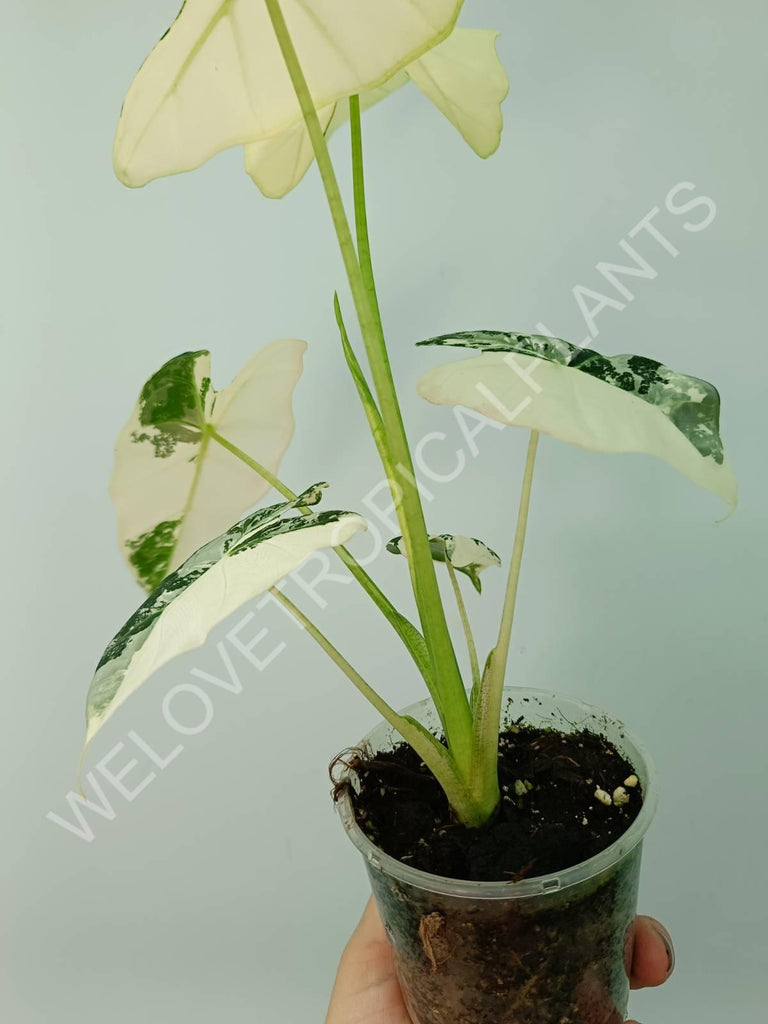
224 890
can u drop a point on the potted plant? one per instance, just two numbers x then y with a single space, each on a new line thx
501 827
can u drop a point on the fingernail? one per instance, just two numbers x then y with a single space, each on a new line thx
667 946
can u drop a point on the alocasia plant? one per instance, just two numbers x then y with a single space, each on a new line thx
277 76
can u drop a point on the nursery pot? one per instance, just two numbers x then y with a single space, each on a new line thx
545 950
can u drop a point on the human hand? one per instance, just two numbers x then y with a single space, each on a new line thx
367 991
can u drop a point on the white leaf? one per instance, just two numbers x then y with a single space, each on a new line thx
173 486
623 403
465 80
217 77
226 572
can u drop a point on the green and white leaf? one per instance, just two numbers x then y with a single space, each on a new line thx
229 570
465 554
174 488
463 77
624 403
217 78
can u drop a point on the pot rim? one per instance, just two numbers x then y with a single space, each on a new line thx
528 887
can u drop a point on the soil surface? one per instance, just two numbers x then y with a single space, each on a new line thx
549 818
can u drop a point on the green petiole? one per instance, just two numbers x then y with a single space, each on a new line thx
466 626
488 710
450 696
412 639
436 757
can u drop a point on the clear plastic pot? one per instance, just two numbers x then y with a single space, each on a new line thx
545 950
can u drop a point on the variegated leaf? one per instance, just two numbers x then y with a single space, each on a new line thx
217 77
463 77
229 570
624 403
173 487
465 554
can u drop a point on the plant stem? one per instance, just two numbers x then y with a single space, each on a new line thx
436 757
361 211
412 639
254 465
375 422
488 715
334 654
416 542
510 597
452 702
466 625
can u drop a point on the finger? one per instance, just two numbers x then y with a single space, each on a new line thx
370 928
366 987
653 957
368 954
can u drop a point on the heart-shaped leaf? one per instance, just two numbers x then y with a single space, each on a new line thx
624 403
217 77
173 487
212 583
463 77
465 554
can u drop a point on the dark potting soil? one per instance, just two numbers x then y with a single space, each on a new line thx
549 818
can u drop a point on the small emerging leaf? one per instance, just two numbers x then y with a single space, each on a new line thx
465 554
624 403
235 567
172 486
